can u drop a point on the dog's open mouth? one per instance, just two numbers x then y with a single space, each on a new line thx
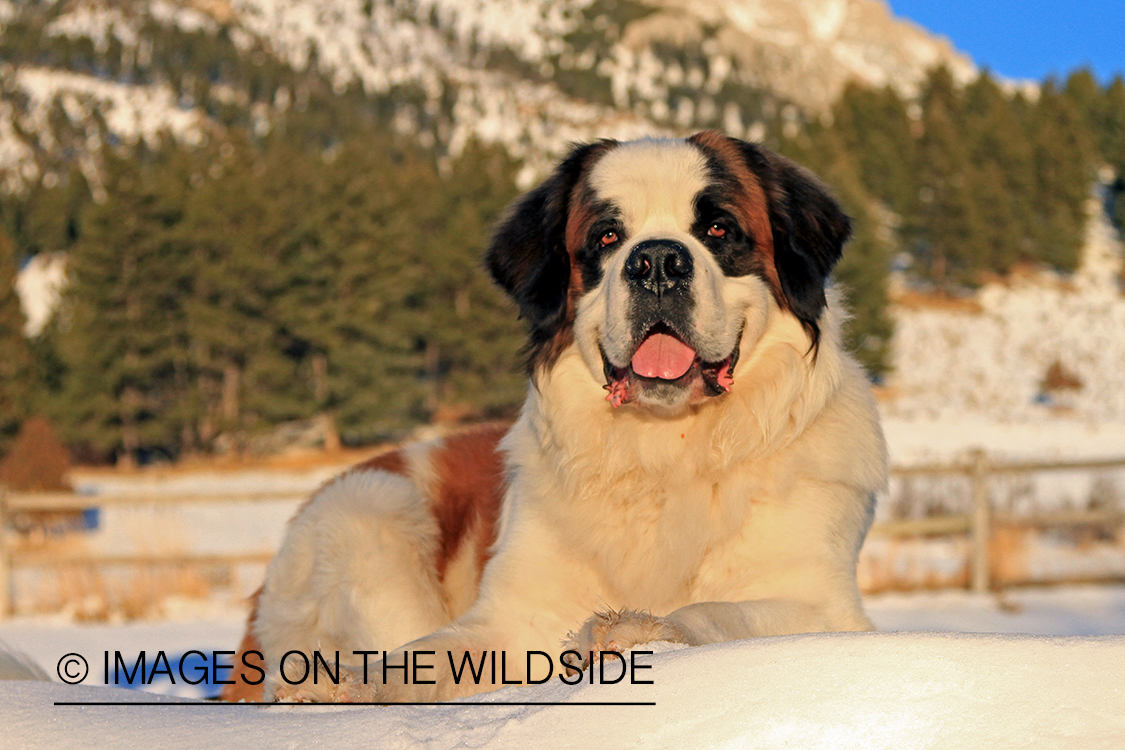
664 361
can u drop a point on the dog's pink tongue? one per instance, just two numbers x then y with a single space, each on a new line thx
663 356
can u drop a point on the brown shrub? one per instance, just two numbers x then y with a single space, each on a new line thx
1059 378
38 461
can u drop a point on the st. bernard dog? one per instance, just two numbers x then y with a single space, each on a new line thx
696 460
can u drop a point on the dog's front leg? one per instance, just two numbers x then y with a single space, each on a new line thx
711 622
717 622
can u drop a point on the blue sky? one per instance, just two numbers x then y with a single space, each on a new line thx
1029 38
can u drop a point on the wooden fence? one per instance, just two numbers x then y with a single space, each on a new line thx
982 519
978 524
12 503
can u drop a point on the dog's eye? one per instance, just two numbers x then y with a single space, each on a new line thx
717 230
608 238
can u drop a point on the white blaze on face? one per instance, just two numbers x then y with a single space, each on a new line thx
654 184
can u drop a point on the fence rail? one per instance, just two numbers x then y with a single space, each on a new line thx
978 524
48 501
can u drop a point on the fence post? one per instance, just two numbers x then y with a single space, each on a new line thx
5 558
982 521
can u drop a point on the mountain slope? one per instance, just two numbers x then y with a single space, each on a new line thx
532 75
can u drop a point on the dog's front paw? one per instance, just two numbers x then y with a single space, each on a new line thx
619 631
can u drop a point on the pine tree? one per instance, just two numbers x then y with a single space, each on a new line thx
1000 174
1113 142
862 270
1103 112
875 128
15 354
242 379
46 217
117 333
472 333
375 219
948 217
1064 171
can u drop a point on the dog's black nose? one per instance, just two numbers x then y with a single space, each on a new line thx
658 266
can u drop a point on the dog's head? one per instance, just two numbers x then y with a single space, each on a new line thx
660 257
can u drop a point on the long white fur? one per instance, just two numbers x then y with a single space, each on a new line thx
354 572
738 517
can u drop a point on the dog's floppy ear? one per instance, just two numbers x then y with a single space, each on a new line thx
528 256
809 232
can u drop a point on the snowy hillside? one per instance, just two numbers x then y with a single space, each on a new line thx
805 51
1026 350
532 75
129 112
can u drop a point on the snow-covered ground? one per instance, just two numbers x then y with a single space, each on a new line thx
918 440
897 689
988 358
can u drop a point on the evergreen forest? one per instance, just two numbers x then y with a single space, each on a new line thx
328 265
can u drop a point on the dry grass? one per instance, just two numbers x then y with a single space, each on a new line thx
915 300
95 595
907 564
297 460
1007 554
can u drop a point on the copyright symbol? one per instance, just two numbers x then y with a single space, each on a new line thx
73 669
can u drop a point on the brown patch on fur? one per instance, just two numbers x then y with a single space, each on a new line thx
573 202
242 690
579 217
750 203
470 487
392 462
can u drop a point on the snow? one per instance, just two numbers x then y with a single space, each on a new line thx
220 526
46 639
130 111
185 18
1059 611
884 690
995 358
922 439
95 21
39 285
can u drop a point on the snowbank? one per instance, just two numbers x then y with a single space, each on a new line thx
871 690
